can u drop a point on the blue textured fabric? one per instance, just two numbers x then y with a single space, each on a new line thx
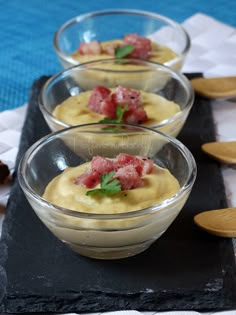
27 28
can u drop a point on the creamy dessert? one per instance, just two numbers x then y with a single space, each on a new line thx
111 186
131 46
118 104
99 203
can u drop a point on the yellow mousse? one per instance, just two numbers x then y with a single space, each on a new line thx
159 54
157 187
74 110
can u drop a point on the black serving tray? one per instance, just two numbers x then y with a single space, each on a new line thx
186 269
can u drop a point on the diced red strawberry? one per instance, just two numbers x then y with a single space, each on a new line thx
147 165
110 50
129 170
128 96
137 116
124 159
99 94
128 177
142 46
135 113
91 48
103 102
108 108
102 165
89 179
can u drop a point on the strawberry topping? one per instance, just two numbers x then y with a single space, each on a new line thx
91 48
142 46
124 159
102 165
99 95
125 95
104 102
128 170
128 177
89 179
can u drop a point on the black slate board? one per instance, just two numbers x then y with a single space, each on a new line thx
185 269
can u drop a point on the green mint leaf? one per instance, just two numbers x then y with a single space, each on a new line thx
108 186
94 192
120 112
122 51
113 187
105 178
108 120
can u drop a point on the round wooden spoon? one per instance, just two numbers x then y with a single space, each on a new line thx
224 87
222 151
221 222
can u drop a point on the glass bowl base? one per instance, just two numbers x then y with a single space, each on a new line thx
111 252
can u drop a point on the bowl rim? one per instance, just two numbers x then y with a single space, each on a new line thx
185 188
65 72
88 15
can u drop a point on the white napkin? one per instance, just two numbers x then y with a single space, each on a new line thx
9 142
213 52
213 47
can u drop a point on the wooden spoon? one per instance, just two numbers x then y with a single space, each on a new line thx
224 87
222 151
221 222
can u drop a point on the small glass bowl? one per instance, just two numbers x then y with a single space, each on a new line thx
107 235
135 73
114 24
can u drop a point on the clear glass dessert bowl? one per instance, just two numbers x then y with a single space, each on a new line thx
168 110
109 25
102 232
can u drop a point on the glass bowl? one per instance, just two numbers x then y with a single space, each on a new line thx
114 24
101 233
137 74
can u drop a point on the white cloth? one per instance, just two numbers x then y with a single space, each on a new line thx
213 52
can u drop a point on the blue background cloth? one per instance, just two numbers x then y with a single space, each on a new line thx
28 26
